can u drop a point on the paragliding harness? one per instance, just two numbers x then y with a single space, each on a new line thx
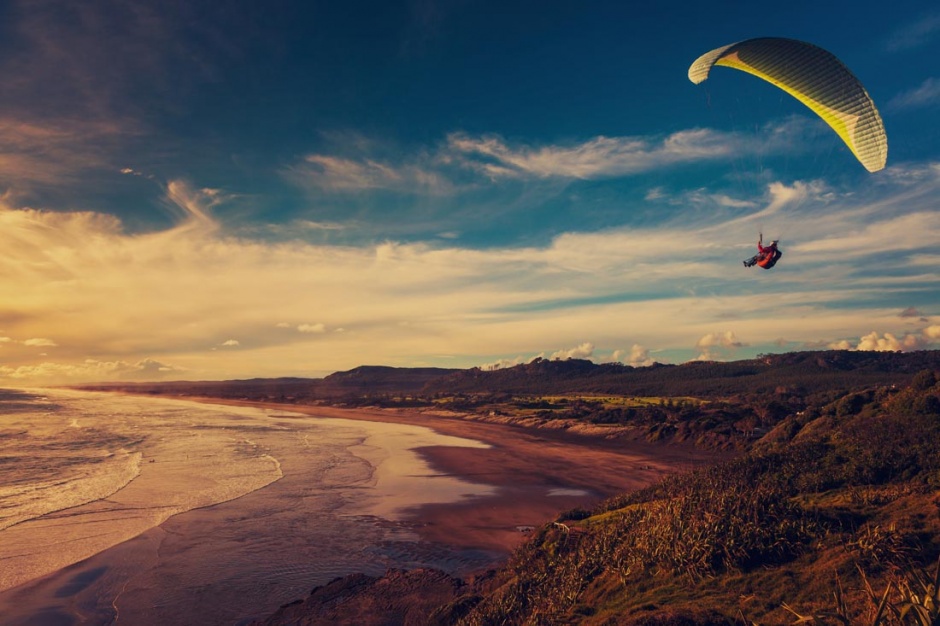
765 257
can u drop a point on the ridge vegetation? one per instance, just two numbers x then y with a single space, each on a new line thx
838 522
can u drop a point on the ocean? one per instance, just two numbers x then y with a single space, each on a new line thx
134 510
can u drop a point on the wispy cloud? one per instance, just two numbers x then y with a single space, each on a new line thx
41 342
911 312
901 233
926 95
915 34
196 205
600 157
445 170
335 174
55 152
82 80
676 288
97 60
606 157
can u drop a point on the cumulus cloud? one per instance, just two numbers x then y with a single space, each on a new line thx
312 328
726 339
147 369
502 364
892 342
583 351
231 343
718 346
889 342
638 356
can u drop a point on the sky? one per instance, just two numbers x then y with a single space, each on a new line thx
202 190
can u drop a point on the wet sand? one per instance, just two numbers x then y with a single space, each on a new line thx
532 474
537 473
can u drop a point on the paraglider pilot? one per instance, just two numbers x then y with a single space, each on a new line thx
766 257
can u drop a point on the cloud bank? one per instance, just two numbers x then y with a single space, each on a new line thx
197 300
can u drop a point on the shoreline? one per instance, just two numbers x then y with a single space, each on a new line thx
528 476
538 472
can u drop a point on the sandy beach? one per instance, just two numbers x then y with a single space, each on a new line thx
355 491
538 473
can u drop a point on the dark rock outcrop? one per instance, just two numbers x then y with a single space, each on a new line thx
399 598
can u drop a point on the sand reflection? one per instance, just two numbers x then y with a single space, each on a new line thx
401 479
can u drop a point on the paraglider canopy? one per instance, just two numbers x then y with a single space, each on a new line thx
816 78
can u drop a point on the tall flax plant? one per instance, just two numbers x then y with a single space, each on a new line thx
920 598
721 520
916 602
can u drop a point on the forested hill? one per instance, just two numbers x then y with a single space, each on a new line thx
366 380
794 372
803 371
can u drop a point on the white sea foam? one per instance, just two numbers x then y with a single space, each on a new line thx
24 500
68 493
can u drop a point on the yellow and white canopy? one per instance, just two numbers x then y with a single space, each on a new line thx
816 78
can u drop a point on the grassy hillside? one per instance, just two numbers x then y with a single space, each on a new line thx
827 523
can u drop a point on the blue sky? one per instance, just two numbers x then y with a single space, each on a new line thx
217 190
